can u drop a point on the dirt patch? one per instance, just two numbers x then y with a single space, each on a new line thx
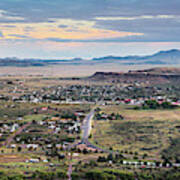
11 158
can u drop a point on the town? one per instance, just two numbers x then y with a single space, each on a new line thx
68 126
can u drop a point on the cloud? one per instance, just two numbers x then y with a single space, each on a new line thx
76 29
155 19
100 40
1 34
18 36
155 29
131 18
8 26
90 21
41 10
6 16
28 29
62 26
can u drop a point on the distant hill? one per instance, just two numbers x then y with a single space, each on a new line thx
159 71
171 57
154 75
34 62
162 57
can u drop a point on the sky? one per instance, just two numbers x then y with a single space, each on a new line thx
60 29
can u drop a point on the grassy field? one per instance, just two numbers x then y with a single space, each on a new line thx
142 131
67 70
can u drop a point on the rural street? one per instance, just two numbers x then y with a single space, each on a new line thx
86 129
19 131
87 125
69 171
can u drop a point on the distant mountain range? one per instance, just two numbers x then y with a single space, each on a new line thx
170 57
162 57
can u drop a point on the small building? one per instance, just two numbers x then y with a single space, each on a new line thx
33 161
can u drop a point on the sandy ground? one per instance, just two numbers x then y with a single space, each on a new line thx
67 70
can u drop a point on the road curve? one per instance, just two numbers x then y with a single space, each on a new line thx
86 131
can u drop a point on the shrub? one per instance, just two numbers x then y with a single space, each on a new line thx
61 174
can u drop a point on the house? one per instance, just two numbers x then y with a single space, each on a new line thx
57 129
58 145
33 161
45 161
35 100
19 118
176 164
13 146
176 103
33 146
18 139
151 164
41 123
52 127
125 163
75 154
5 126
44 108
14 127
54 118
127 101
49 146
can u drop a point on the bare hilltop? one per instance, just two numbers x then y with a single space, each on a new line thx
152 75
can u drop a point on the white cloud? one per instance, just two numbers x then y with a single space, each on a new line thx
4 15
131 18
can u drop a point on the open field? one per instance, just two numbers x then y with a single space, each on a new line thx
69 70
142 131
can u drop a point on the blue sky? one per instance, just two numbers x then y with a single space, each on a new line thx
87 28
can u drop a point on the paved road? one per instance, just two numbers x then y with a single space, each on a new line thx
69 171
19 131
87 125
86 130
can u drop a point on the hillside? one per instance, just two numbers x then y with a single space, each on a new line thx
161 71
162 57
154 75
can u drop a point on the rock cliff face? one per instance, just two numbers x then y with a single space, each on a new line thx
155 75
